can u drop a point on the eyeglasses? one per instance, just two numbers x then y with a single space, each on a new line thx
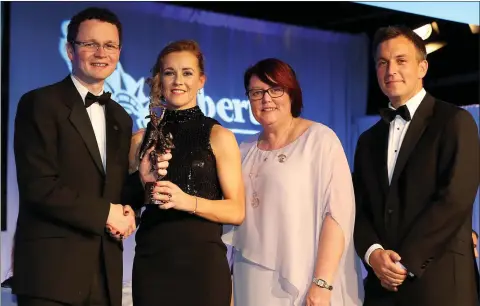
257 94
94 47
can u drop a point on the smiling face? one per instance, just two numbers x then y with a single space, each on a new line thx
181 79
268 110
399 69
90 66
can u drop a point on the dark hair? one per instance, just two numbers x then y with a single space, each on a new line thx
474 232
91 13
275 72
176 46
390 32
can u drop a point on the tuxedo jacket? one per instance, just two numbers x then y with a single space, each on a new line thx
65 194
425 213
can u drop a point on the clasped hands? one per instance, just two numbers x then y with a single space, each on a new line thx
120 221
385 264
121 218
167 192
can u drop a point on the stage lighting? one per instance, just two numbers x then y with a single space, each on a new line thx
474 28
434 46
425 31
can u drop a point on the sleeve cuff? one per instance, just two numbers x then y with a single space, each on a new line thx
370 250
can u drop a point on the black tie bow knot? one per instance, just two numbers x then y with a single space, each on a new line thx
102 99
388 114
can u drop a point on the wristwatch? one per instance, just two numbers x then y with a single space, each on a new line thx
322 284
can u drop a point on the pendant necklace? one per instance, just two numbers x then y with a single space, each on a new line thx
255 199
255 202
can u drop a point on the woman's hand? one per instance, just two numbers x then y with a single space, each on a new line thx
145 168
173 197
317 296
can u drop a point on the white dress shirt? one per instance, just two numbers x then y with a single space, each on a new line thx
96 113
397 131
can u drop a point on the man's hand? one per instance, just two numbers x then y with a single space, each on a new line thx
145 168
121 221
128 211
388 287
384 264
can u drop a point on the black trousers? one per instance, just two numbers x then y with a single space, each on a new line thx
98 292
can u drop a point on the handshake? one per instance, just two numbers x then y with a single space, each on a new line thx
120 221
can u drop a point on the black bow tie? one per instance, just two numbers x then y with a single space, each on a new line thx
102 99
389 114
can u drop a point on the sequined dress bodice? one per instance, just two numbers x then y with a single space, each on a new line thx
193 169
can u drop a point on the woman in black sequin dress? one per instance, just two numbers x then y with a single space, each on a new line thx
180 259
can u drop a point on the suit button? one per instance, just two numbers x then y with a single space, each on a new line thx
390 211
423 266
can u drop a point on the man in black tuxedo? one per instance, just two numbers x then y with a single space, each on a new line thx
414 212
71 148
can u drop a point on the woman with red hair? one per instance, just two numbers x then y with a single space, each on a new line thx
295 245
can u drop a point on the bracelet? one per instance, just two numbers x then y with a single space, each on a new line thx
196 204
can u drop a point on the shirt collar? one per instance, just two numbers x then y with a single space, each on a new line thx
82 90
414 102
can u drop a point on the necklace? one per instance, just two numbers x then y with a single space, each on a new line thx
255 202
255 199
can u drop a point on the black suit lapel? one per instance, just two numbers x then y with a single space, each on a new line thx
381 153
113 132
80 120
415 130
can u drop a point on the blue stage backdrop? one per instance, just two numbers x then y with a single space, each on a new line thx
332 68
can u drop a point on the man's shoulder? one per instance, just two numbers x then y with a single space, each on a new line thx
446 107
44 93
372 131
53 86
449 113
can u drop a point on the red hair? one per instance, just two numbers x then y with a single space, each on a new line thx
275 72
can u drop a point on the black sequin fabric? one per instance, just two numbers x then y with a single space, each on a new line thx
193 169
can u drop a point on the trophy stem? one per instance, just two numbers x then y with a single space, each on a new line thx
160 141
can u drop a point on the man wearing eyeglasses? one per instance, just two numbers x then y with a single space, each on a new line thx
71 148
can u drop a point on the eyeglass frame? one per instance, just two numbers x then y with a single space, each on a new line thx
265 91
84 43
